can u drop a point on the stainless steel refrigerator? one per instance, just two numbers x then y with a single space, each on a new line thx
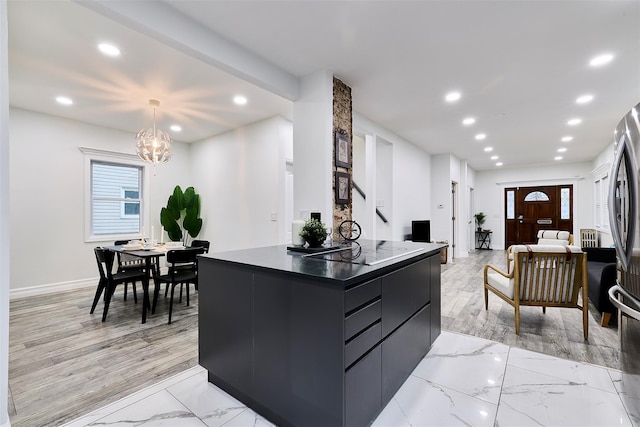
624 220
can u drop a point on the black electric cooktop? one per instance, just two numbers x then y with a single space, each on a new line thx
366 252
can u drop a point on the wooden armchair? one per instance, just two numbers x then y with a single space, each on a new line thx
544 276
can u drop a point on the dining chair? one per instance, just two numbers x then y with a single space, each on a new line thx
109 280
187 260
201 244
128 263
194 244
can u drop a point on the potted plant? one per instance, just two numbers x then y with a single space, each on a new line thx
480 218
181 217
314 233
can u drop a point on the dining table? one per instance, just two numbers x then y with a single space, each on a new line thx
149 253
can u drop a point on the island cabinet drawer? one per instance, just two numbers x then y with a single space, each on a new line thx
363 390
404 292
362 343
361 294
361 319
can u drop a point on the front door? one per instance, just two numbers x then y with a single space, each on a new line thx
530 209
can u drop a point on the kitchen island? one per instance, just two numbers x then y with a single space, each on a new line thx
319 339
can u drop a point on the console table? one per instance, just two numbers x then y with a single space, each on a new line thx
483 239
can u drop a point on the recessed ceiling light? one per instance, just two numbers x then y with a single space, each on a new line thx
567 138
494 157
240 99
601 60
64 100
557 158
453 96
468 121
481 136
487 149
499 164
176 128
574 122
109 49
584 99
561 150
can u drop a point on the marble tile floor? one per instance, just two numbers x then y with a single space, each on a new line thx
463 381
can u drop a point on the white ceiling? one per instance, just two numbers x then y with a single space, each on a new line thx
519 65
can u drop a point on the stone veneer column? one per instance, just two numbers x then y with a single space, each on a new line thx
342 123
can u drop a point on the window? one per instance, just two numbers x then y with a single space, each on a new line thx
114 209
115 196
511 204
130 208
536 196
565 203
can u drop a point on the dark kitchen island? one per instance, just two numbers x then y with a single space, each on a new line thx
318 339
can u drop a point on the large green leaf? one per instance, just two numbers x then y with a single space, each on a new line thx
176 201
182 213
189 197
174 232
191 222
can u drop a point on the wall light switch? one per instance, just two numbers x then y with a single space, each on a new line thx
274 216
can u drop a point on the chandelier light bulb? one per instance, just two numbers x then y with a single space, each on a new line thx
153 145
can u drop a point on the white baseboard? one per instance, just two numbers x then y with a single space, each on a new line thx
7 424
52 288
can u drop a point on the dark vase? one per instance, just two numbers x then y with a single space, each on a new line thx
314 243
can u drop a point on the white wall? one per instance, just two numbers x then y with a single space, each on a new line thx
466 242
490 185
411 177
5 225
441 176
604 160
240 177
384 189
47 195
313 147
359 176
411 186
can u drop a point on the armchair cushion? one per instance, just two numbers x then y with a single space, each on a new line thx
501 283
553 234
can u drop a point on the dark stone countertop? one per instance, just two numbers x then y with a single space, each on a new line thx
359 262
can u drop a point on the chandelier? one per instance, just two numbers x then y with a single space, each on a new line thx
153 145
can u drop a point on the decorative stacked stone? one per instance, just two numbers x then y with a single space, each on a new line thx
342 121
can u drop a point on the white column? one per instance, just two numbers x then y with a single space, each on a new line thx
4 216
312 147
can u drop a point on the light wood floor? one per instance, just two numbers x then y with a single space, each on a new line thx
64 362
557 333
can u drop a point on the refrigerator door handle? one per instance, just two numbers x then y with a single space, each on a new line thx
621 306
616 218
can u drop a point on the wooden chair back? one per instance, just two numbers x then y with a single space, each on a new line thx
551 279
